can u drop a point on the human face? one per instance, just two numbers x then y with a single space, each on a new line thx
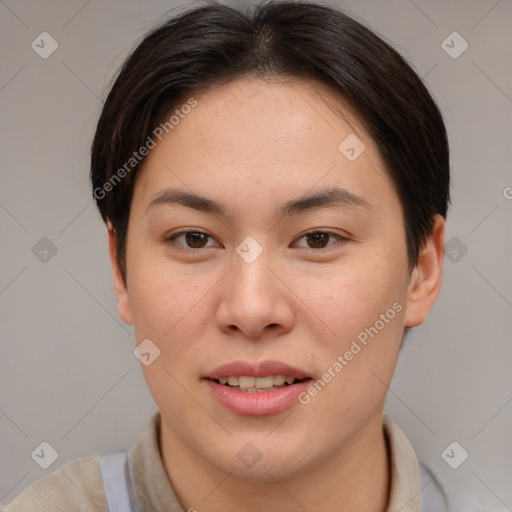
253 146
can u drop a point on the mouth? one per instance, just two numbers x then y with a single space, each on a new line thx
256 389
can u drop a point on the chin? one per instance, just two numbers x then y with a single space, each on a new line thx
264 471
262 461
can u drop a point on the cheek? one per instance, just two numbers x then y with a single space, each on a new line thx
363 309
171 310
163 304
350 300
170 305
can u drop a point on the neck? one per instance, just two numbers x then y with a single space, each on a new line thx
356 477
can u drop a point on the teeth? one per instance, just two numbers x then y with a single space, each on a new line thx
279 380
246 382
262 382
256 383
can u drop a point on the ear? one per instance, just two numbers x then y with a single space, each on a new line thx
123 299
426 277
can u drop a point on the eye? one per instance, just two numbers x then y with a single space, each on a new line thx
192 240
319 239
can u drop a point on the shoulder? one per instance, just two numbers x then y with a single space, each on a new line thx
77 485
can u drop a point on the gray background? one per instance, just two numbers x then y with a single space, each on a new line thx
68 375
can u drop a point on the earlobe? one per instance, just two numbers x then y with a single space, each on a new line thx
426 278
120 288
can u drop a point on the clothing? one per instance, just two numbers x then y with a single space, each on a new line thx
80 482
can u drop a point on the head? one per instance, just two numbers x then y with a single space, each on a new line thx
275 182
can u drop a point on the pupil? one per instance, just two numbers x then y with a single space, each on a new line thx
195 238
318 238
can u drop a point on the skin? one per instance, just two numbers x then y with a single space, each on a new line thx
253 145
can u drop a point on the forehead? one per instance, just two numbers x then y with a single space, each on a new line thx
254 138
273 113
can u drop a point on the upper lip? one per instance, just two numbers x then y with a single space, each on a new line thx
256 369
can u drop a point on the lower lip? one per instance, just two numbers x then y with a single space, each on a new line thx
258 404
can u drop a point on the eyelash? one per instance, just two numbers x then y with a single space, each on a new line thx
182 248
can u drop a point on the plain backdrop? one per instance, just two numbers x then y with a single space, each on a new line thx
68 375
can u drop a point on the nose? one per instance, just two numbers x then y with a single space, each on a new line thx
255 300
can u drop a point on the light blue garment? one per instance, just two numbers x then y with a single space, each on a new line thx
113 472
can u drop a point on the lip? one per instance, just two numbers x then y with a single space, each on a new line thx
257 404
258 369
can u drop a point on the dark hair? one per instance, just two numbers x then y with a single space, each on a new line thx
215 44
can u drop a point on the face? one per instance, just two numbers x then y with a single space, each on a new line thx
292 264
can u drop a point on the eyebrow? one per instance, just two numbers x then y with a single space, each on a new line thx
329 197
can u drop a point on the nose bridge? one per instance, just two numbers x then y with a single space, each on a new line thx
253 298
253 283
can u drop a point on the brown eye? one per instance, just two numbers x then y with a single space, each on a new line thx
192 240
320 239
196 240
